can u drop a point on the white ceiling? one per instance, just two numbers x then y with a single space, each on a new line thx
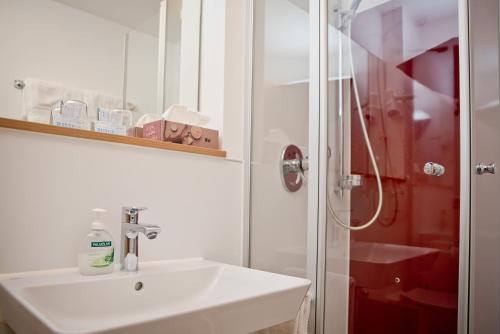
136 14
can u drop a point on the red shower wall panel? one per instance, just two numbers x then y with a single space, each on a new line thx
408 281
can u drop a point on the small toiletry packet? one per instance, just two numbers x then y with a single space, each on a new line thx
113 121
105 127
68 122
70 114
135 132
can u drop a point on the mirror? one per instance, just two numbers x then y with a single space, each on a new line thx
77 57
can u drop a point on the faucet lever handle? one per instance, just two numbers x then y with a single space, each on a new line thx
131 214
141 208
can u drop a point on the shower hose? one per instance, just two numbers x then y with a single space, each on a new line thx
368 146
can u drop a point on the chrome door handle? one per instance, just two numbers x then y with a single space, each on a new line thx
434 169
482 168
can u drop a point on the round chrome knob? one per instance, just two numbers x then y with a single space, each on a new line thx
434 169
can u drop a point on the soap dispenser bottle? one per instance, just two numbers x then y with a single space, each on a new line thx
97 250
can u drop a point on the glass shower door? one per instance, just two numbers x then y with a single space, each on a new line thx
402 274
285 224
280 104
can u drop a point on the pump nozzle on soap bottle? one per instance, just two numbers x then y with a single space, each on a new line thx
97 224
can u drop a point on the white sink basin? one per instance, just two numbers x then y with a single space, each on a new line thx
184 296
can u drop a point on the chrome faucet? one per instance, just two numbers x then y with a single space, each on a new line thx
129 255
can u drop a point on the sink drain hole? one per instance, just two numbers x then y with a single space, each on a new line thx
138 286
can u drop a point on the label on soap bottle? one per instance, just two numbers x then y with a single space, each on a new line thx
95 244
101 258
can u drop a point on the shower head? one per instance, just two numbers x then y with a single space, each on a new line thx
345 16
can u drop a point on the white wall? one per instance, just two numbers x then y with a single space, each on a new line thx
212 61
234 78
190 54
222 73
173 53
142 71
49 184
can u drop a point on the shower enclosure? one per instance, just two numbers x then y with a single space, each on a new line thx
373 201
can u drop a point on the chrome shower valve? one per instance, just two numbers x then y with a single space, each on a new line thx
350 181
292 168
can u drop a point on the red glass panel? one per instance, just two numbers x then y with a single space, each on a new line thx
405 266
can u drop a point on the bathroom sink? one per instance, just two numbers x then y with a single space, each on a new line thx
182 296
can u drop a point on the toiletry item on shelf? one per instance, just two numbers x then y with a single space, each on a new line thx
115 121
135 132
181 134
97 250
147 118
70 114
181 114
40 95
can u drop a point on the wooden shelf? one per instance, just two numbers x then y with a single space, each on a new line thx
77 133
